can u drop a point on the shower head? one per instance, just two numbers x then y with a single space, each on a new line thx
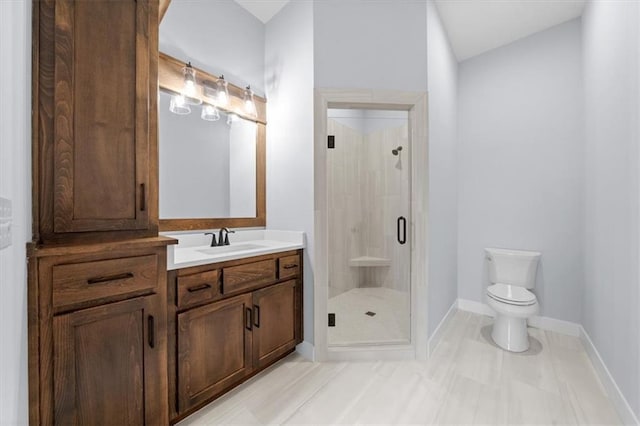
396 151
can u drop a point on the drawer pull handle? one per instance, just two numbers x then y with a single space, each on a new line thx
295 265
151 331
143 197
248 320
198 288
256 316
99 280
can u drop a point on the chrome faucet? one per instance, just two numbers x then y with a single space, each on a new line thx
224 232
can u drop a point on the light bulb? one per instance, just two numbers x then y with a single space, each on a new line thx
222 91
249 104
189 86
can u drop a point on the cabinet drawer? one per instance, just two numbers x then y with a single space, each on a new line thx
288 266
251 275
198 288
82 282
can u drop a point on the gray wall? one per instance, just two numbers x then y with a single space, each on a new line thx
611 302
289 85
370 44
218 36
15 184
443 188
521 173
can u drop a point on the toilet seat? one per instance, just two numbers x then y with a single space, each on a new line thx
512 295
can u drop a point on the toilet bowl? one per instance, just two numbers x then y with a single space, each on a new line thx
512 273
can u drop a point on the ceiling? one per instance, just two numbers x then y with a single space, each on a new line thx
476 26
264 10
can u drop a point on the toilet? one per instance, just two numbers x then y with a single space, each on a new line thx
512 274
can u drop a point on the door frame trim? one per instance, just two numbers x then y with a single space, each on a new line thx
416 104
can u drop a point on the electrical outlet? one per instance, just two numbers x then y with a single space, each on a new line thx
5 223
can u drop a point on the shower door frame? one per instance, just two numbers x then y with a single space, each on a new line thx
416 104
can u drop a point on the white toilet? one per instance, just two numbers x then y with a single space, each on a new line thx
512 273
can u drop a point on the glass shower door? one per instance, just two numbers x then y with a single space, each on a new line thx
368 167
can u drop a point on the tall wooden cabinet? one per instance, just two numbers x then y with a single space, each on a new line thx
95 101
97 268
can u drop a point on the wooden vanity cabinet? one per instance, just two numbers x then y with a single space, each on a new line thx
97 268
274 322
229 329
106 363
214 349
98 334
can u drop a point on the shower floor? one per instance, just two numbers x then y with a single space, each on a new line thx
389 325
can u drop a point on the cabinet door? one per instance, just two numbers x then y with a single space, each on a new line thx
108 365
102 98
214 349
274 317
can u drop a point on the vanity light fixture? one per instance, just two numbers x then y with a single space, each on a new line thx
210 113
178 105
249 104
222 91
190 88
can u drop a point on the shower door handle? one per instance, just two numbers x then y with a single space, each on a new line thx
402 230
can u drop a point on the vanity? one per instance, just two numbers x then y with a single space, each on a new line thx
134 316
232 311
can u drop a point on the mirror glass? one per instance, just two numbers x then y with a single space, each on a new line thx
207 168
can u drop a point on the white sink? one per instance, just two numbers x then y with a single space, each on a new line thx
231 248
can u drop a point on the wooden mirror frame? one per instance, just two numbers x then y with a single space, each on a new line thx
170 78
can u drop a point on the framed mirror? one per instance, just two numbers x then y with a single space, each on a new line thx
212 156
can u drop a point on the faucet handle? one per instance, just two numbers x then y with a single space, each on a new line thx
226 236
213 238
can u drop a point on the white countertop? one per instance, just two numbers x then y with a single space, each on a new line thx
192 247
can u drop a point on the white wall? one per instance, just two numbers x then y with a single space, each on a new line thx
289 86
218 36
363 44
611 292
242 169
443 185
194 164
521 174
15 184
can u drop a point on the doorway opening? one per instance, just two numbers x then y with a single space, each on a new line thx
370 235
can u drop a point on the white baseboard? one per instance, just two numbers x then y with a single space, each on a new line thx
432 344
543 323
618 399
559 326
372 353
306 350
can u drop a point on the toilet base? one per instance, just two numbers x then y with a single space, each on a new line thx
510 333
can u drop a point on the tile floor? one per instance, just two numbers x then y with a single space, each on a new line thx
390 324
468 380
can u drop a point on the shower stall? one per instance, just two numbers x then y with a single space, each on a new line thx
369 213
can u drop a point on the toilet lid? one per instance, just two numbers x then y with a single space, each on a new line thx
512 294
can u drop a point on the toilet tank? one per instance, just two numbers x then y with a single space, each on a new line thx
514 267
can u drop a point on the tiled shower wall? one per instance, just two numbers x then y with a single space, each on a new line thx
368 190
